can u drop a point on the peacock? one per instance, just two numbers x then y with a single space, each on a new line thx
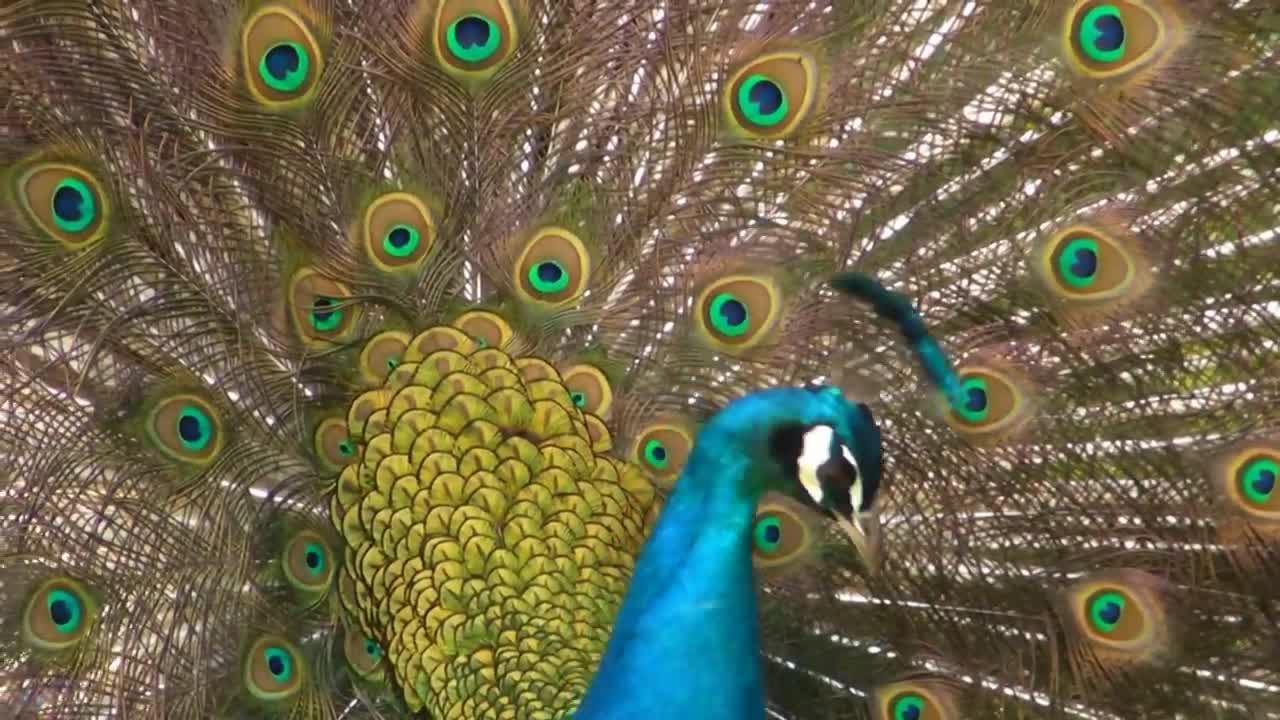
561 359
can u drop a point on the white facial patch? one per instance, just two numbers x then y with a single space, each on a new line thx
815 453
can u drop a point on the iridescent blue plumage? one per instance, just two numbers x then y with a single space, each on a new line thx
686 643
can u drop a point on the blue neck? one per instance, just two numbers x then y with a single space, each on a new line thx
685 642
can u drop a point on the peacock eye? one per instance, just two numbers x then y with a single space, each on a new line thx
66 202
1105 611
314 558
279 663
655 453
976 405
762 101
589 389
363 654
73 206
554 266
994 404
65 611
195 430
1258 479
284 67
322 310
401 241
1078 262
382 354
486 329
307 562
325 314
272 671
729 315
282 58
58 615
771 95
473 38
662 448
185 428
736 313
1102 34
908 707
768 535
548 276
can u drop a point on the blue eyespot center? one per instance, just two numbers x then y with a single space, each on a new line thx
767 96
313 559
282 60
189 428
772 533
68 204
659 453
275 663
733 312
1110 32
60 612
323 309
975 399
549 272
1110 612
472 32
399 237
1084 263
1265 482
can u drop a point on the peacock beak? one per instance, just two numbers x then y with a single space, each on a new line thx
863 531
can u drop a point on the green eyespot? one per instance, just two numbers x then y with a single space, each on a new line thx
326 316
284 67
1078 262
655 453
1105 611
473 38
763 101
976 407
908 707
548 276
401 241
729 315
1258 479
72 205
768 534
1102 34
195 429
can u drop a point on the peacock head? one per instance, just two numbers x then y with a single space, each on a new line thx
816 446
